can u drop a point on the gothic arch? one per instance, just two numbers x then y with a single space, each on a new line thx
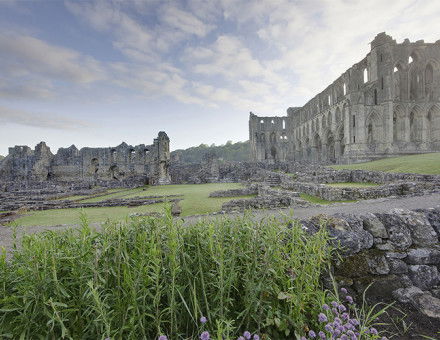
417 125
433 119
399 126
398 80
318 147
374 130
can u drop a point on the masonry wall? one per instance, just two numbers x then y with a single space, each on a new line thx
124 163
387 104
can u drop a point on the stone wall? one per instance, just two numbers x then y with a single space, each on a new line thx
123 165
398 252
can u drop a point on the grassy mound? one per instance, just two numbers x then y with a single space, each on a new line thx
156 276
428 163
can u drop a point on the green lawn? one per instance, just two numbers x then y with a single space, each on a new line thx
428 163
352 185
196 200
318 200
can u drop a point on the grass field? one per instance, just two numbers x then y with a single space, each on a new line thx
428 163
352 185
196 200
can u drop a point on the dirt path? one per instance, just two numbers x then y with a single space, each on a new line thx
361 207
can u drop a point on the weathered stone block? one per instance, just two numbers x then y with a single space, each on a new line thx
424 277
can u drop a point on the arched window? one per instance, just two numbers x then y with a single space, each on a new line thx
397 75
410 59
375 96
344 89
284 124
429 79
365 75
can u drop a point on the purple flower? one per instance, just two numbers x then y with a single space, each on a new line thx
384 338
205 336
350 333
303 338
335 311
328 327
341 328
163 337
349 299
322 317
335 304
342 308
373 331
354 322
344 337
337 332
203 320
312 334
321 335
337 321
240 338
325 307
344 291
345 316
256 337
247 335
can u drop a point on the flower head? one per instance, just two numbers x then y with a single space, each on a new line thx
240 338
312 334
256 337
344 291
373 331
342 308
349 299
203 319
322 317
325 307
335 304
163 337
205 336
247 335
321 335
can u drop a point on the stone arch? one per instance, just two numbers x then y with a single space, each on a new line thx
373 131
331 150
398 80
338 116
114 172
340 136
318 147
273 138
399 126
429 81
94 166
433 119
417 125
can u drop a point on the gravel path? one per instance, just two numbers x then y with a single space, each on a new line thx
361 207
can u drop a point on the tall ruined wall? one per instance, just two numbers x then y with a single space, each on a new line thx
140 163
386 104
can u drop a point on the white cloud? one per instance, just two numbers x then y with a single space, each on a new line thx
42 120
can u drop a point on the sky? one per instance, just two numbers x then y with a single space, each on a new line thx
99 72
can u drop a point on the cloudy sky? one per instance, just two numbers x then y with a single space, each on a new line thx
98 72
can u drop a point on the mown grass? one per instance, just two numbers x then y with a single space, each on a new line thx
428 163
156 276
352 185
195 200
318 200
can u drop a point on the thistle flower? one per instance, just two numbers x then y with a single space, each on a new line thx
322 317
205 336
247 335
203 320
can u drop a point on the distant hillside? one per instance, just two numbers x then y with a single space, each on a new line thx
229 152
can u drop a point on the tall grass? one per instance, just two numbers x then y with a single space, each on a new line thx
153 276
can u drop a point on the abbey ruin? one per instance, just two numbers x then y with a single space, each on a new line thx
385 105
122 165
